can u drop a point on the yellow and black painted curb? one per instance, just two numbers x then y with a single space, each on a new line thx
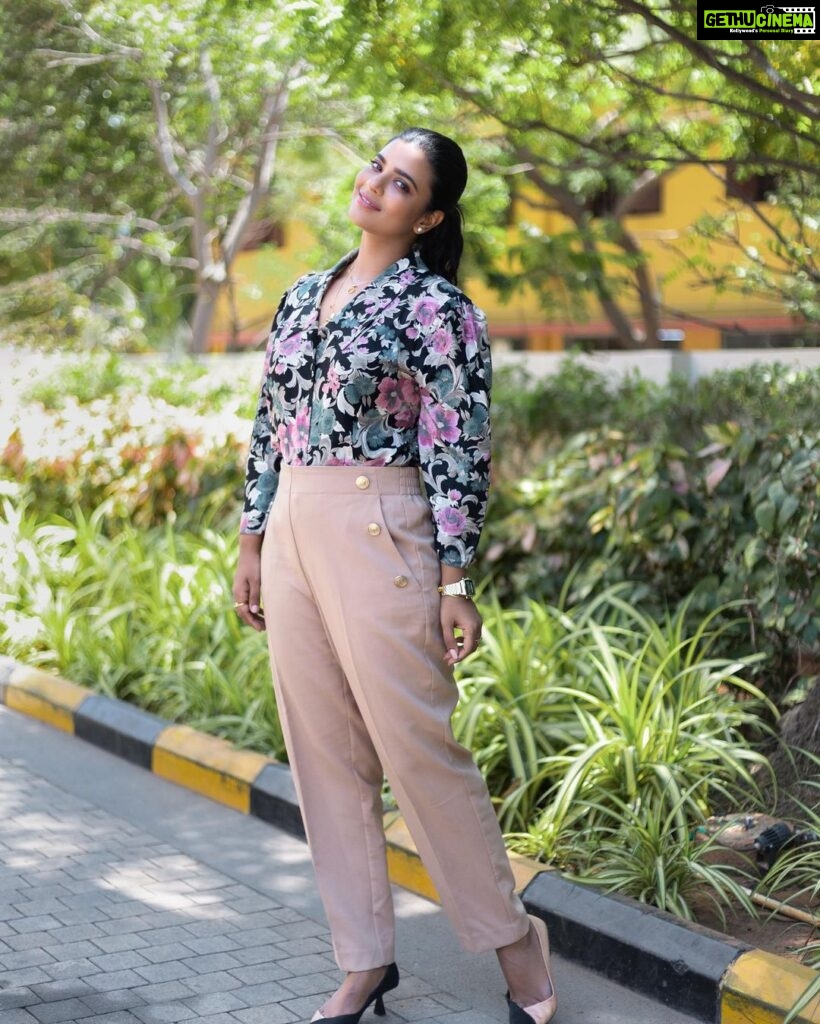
693 969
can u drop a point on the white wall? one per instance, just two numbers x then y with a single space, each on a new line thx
657 364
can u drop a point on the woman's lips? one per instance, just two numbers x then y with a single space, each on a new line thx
365 201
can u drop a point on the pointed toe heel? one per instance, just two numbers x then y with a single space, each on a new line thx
387 984
543 1012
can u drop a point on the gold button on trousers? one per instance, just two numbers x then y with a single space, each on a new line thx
356 649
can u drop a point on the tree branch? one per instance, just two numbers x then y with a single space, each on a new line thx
803 103
165 142
762 61
273 113
712 101
166 258
217 132
63 58
571 208
56 216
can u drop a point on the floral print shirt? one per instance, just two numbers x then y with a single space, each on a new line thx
400 376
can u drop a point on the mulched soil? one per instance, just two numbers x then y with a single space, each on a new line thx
792 793
770 932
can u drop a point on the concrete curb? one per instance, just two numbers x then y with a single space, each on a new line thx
679 964
694 969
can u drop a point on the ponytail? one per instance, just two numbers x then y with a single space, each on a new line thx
442 246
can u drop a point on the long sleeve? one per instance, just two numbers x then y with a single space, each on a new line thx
453 372
264 457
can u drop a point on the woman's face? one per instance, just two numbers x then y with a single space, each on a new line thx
391 194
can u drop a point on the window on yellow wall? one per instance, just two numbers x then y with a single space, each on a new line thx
751 188
647 200
770 339
264 232
626 188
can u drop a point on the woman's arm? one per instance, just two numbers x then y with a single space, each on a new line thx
261 479
458 614
453 370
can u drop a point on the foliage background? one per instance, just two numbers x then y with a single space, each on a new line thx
140 140
651 555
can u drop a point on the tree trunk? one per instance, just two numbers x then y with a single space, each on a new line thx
645 287
207 293
569 205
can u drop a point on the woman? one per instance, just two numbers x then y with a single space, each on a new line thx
365 495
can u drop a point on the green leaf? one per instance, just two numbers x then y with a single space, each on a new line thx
788 507
765 515
753 552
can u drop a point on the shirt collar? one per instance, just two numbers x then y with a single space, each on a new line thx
412 261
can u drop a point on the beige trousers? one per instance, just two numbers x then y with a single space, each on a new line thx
349 577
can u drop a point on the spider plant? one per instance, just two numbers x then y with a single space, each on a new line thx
648 852
509 714
140 614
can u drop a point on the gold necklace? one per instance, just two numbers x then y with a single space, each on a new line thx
356 286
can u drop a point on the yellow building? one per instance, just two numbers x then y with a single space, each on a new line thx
706 318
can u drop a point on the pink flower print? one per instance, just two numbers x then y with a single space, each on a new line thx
451 521
283 443
299 431
389 397
333 383
437 423
454 495
287 346
469 331
408 412
442 341
425 311
398 398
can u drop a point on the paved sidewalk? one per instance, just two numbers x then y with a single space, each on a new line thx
127 900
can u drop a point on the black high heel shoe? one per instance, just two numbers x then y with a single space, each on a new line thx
545 1010
388 982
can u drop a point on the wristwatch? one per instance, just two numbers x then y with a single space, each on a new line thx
463 588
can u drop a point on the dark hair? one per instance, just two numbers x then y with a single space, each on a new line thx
441 246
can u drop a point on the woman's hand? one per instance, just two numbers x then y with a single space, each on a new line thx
459 613
247 581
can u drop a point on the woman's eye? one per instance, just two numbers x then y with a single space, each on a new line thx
375 165
401 185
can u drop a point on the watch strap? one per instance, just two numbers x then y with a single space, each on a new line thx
461 588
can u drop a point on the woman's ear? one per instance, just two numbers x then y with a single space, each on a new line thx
430 220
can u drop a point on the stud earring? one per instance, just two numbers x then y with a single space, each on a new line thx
419 230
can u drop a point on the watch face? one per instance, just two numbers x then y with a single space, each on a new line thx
469 587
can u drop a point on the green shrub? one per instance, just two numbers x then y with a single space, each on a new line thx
607 737
536 416
85 379
564 707
101 443
736 519
143 615
656 859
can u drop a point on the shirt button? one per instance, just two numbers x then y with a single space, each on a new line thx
400 581
374 529
362 482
